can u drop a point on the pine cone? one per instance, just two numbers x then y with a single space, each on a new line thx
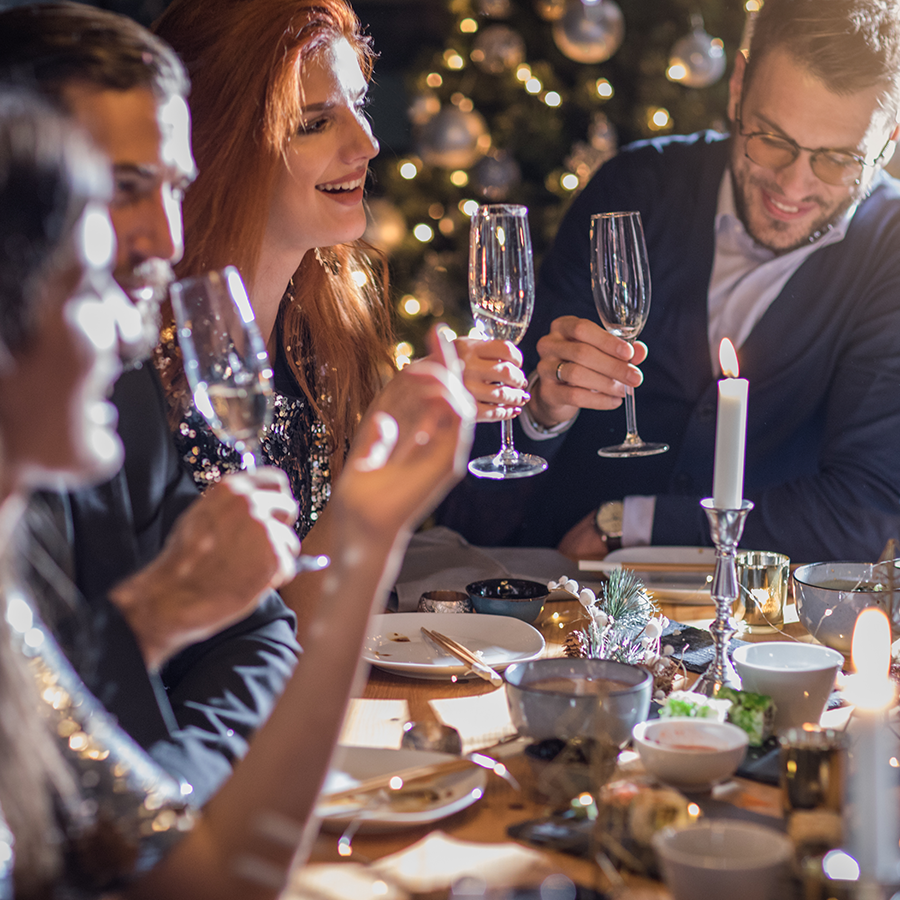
574 645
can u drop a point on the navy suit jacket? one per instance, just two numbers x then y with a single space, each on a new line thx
823 365
196 716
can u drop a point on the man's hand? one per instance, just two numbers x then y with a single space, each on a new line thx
582 366
583 541
225 551
493 375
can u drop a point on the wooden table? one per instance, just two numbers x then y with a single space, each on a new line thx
487 820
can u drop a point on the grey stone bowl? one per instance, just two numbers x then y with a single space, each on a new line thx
539 713
829 612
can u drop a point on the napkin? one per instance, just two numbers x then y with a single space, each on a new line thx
374 723
440 559
481 721
438 860
340 881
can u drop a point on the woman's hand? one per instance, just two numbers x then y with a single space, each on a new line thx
493 375
412 445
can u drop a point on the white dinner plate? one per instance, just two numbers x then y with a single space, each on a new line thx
442 796
674 587
395 643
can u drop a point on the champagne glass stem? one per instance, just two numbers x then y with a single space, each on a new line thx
631 432
506 438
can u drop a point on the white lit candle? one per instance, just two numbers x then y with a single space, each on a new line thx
874 828
731 432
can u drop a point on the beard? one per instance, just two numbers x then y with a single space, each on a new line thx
777 235
147 287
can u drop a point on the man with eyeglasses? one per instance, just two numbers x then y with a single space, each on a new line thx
783 237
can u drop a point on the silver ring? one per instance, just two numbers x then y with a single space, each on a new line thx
559 378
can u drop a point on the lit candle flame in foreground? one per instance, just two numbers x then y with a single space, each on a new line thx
871 688
728 359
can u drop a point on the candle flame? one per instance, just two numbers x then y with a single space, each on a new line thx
728 359
871 655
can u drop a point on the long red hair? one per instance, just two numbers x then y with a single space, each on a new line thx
245 60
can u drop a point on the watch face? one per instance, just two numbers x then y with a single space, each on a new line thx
609 518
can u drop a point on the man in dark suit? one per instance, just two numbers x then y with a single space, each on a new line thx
783 238
158 570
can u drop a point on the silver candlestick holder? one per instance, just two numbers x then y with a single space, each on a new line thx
726 526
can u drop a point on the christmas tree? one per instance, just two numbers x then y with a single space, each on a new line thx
522 103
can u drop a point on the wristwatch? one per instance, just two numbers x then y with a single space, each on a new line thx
608 521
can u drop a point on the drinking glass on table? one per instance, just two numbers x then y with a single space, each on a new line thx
620 278
226 365
501 296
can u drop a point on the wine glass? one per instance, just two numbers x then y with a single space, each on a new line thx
620 277
227 366
501 296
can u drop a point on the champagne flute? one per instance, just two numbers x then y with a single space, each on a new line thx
501 296
227 366
620 278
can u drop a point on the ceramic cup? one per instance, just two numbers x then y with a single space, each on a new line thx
798 677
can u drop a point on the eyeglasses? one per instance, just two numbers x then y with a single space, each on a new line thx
774 151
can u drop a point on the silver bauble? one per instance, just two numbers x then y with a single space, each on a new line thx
602 133
550 10
453 139
700 57
386 225
423 107
495 9
496 174
590 31
498 49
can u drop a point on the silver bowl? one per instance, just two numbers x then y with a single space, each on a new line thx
830 595
567 698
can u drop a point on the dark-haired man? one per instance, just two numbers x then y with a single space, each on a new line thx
784 238
155 566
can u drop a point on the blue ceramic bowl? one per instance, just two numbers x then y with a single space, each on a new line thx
508 597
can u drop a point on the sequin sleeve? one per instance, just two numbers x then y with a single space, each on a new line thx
128 812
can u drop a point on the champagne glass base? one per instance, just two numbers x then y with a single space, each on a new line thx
638 448
508 465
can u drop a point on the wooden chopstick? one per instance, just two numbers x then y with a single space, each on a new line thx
414 774
464 654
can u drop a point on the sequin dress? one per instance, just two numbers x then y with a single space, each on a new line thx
129 812
295 440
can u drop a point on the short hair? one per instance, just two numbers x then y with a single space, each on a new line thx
48 174
48 45
849 45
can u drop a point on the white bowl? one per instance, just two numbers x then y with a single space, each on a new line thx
690 754
798 677
722 859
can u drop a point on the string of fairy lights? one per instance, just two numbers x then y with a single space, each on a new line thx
489 121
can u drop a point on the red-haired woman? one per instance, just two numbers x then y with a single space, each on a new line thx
283 145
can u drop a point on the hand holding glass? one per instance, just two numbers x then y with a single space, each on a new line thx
226 365
620 277
501 296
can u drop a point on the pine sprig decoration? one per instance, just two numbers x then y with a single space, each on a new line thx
624 599
622 623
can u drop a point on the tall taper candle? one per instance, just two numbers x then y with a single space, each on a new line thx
731 432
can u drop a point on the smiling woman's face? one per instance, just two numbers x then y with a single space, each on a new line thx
317 201
55 418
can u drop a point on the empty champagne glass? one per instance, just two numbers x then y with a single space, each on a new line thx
226 365
501 296
620 278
